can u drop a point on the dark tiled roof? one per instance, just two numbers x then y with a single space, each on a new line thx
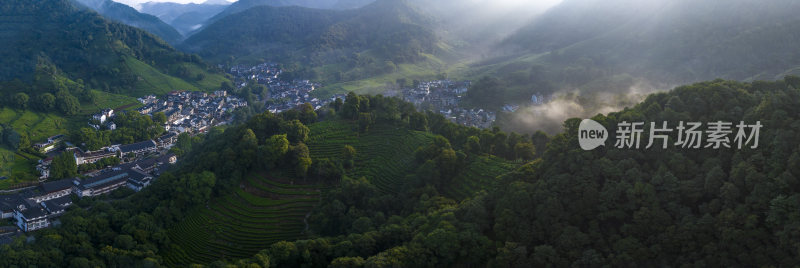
137 146
164 159
55 186
167 136
9 202
105 179
61 201
147 163
33 212
57 204
138 176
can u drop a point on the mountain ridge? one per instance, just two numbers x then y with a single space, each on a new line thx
128 15
373 38
37 35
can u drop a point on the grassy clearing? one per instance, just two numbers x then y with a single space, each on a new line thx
427 69
209 82
152 81
16 168
109 100
38 126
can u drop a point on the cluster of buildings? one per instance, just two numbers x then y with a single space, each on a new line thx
283 95
288 95
479 118
536 99
539 99
444 97
130 152
192 111
264 73
436 95
36 208
103 120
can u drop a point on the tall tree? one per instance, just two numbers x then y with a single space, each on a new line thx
46 102
64 166
21 100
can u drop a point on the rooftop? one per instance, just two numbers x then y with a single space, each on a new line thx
137 146
33 213
58 203
55 186
9 202
104 179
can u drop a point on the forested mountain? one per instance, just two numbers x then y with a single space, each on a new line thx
673 42
357 43
243 5
184 17
351 4
372 206
127 15
52 37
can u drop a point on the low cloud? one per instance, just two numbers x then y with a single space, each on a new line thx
550 116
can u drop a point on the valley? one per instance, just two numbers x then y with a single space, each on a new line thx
398 133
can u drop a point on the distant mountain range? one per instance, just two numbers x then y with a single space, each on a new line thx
185 18
128 15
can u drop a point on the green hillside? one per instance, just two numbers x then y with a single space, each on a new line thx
481 174
387 151
237 225
127 15
35 36
330 46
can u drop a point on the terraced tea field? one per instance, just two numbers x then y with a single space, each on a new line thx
238 225
384 155
480 173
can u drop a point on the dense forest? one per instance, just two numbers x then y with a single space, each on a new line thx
568 207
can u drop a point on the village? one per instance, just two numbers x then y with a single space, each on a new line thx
140 163
444 97
440 96
283 95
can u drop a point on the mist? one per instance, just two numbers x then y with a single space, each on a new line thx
573 103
